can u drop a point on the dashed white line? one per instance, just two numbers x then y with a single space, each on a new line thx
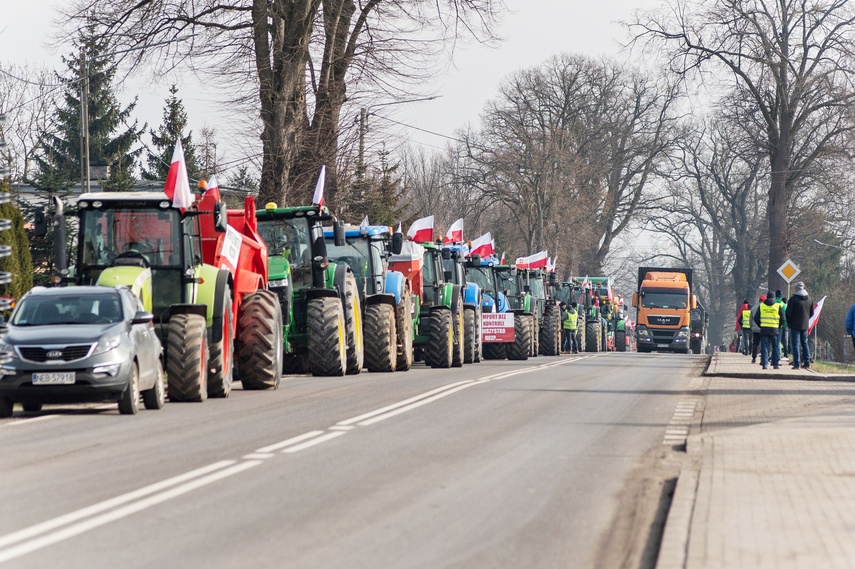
313 442
288 442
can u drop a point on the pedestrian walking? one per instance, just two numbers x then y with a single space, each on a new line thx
782 302
569 324
798 312
850 324
744 323
769 318
755 331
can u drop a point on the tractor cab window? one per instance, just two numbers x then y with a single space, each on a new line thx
192 244
356 254
452 266
482 276
288 238
507 283
536 285
125 235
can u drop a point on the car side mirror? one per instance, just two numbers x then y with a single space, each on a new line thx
142 317
475 260
397 243
338 233
221 217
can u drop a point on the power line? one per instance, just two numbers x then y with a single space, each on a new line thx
419 129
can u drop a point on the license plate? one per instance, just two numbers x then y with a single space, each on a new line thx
54 378
661 345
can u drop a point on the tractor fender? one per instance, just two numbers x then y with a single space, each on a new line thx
199 309
455 298
137 279
438 307
341 270
222 288
206 291
314 293
395 285
380 299
472 294
502 305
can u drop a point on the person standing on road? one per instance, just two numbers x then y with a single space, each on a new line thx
799 311
755 331
769 317
744 325
784 333
569 323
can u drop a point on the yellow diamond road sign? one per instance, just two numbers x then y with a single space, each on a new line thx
789 270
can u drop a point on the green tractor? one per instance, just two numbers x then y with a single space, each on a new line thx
547 313
199 271
319 300
569 292
438 313
523 306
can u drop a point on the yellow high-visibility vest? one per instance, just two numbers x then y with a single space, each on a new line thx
746 318
770 316
570 320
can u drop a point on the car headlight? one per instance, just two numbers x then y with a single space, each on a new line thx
683 333
642 332
6 349
278 283
107 343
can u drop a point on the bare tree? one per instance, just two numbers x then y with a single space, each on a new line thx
792 61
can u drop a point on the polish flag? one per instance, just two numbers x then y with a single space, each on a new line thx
455 233
521 262
815 318
364 222
177 187
421 231
482 246
502 260
212 182
549 266
318 198
538 260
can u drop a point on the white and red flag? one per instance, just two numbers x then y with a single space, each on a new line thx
177 187
212 182
521 262
538 260
421 231
482 246
502 260
455 232
318 198
815 318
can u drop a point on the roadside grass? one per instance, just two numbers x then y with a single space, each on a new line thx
832 367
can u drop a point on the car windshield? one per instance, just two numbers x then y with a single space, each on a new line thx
106 234
482 276
67 309
288 238
664 299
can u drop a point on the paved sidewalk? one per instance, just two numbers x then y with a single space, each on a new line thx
734 364
769 476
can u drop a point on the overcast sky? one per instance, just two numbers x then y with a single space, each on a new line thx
533 31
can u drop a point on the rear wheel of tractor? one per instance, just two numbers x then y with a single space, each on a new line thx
187 358
620 340
129 404
441 344
520 348
479 341
222 354
495 351
470 340
535 336
580 339
458 353
259 341
353 319
592 337
155 397
550 344
380 338
327 342
404 333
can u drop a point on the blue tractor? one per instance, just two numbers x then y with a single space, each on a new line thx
385 298
480 271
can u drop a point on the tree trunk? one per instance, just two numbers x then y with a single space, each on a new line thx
777 211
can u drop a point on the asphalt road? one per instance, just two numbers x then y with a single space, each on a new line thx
500 464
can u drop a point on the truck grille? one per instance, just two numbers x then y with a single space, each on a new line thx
66 353
663 320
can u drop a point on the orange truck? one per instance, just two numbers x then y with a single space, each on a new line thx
664 300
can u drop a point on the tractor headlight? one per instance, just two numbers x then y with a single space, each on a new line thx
278 283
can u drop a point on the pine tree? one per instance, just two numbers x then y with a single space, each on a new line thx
19 262
110 136
173 126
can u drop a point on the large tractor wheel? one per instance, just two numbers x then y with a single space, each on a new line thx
479 341
550 344
495 351
580 339
327 338
620 340
380 338
441 344
222 354
187 358
404 332
520 348
459 348
535 336
353 326
470 340
593 337
259 341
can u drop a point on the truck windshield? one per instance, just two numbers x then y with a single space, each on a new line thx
482 276
152 234
288 238
663 299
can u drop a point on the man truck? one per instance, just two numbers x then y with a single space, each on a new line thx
664 300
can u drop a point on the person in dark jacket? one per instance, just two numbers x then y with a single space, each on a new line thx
798 313
770 318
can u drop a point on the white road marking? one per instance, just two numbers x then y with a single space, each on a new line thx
313 442
44 527
678 428
257 456
288 442
103 519
362 417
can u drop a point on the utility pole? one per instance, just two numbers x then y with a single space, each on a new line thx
85 183
360 162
